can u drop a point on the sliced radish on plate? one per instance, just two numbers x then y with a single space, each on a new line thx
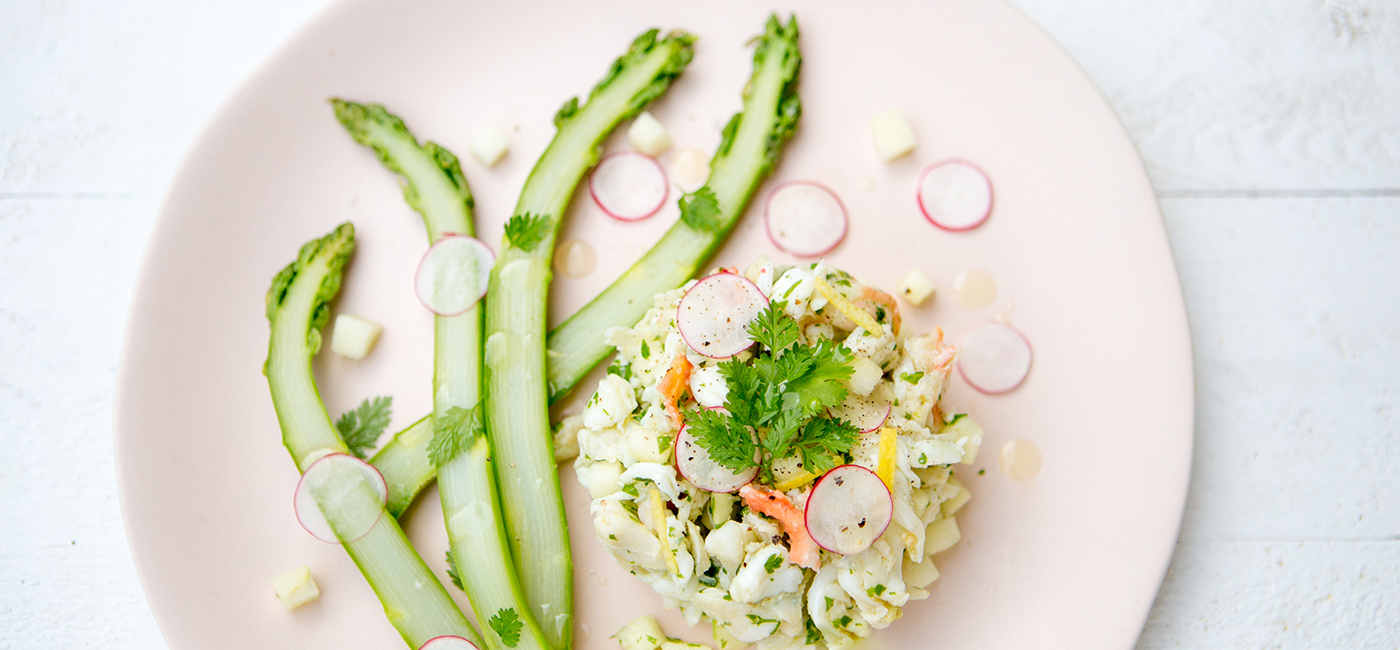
347 486
955 194
453 274
448 643
713 316
696 466
804 218
994 357
848 509
628 186
864 413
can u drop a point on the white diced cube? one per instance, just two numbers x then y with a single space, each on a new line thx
489 145
353 336
648 135
866 374
295 588
892 134
641 634
916 287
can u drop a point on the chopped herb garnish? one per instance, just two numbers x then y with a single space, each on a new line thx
912 377
772 563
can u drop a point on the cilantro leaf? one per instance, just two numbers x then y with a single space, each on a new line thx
773 329
912 377
730 443
824 384
361 426
783 427
526 231
772 563
507 625
823 442
745 386
454 431
452 574
700 210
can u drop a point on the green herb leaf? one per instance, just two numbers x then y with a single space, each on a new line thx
361 426
772 563
700 210
646 350
814 635
912 377
875 591
730 443
452 574
507 625
823 442
824 384
526 231
454 432
773 329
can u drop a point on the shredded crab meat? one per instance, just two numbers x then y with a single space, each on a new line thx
746 560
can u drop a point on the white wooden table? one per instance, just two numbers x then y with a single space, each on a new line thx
1270 127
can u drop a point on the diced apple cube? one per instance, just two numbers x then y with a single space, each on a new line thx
489 145
353 336
892 134
865 376
941 535
916 287
295 588
920 574
648 135
641 634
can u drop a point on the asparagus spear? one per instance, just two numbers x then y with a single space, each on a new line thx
435 187
752 147
517 407
297 307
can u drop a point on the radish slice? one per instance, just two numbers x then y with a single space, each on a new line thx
448 643
453 274
696 466
994 357
848 509
804 218
864 413
713 316
955 194
628 185
350 486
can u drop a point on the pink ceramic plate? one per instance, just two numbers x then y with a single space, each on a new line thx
1069 559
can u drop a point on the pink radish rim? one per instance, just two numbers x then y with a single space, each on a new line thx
991 193
1024 339
427 645
768 226
419 271
384 501
752 472
807 511
692 288
665 182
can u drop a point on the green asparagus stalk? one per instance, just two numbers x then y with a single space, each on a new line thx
753 142
298 305
458 449
751 146
517 407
